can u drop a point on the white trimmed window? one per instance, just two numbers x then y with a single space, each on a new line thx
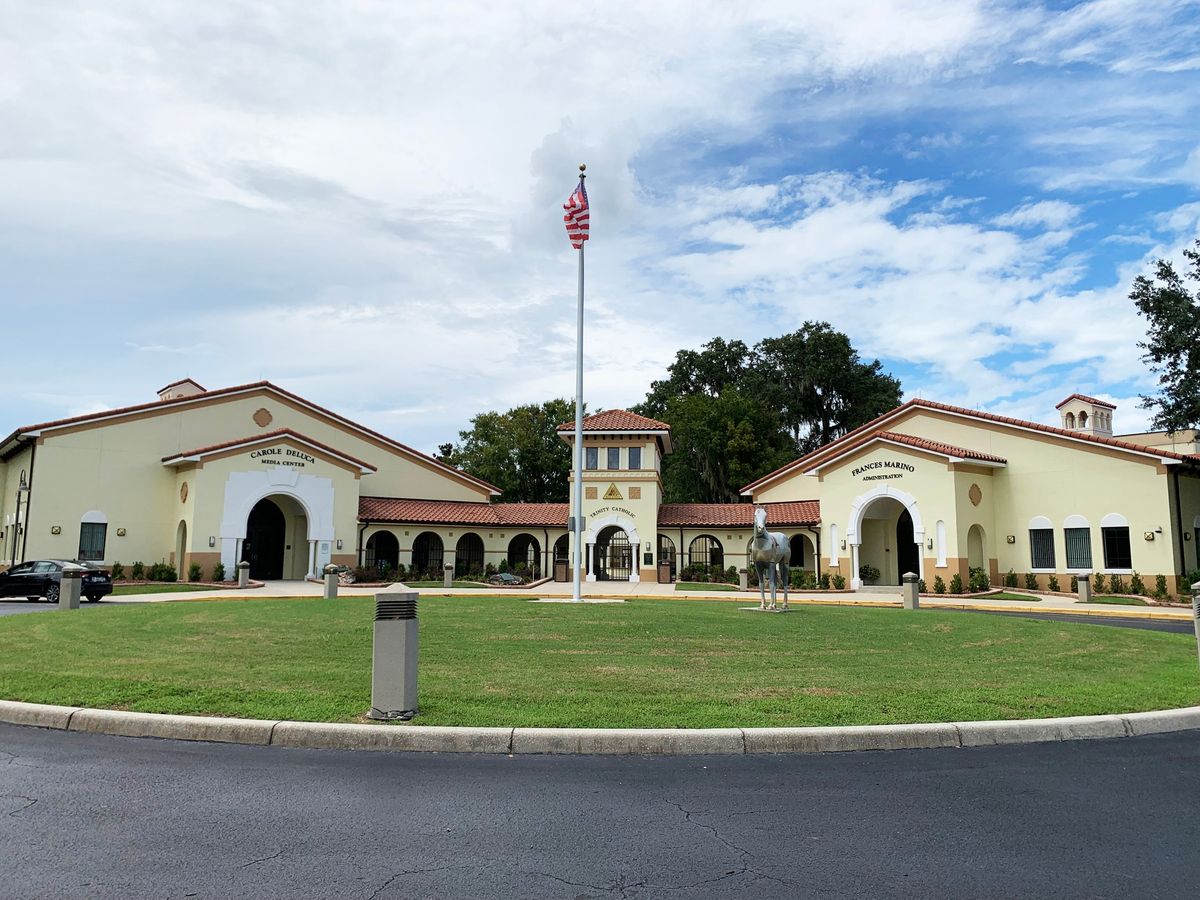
93 534
1041 544
1114 536
1077 534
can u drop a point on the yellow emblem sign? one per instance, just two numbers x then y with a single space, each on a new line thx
612 493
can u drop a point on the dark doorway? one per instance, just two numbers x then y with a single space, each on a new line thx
797 546
613 555
263 547
906 550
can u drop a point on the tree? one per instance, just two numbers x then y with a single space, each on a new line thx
1173 342
519 451
719 365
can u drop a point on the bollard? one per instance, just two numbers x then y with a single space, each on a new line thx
743 579
243 574
394 657
1196 613
447 575
1085 588
908 591
68 588
331 582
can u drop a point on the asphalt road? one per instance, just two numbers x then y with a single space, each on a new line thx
96 816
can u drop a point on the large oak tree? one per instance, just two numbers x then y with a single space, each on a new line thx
1172 343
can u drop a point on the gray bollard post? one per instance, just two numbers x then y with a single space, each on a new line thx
743 579
448 575
243 574
68 587
331 582
1085 588
394 657
1196 613
908 592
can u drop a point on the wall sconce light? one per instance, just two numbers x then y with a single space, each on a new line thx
120 532
56 529
339 543
1012 539
1149 535
647 546
843 545
212 540
929 543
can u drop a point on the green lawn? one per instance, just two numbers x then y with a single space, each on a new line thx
1117 601
438 584
124 590
1004 595
702 586
505 661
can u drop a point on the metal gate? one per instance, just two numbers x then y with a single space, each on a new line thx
614 555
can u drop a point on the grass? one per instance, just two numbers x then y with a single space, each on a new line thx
505 661
1117 601
437 584
703 586
124 590
1005 595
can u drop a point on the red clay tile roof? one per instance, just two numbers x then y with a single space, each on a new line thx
554 515
241 388
1086 399
923 444
737 515
267 437
617 420
806 462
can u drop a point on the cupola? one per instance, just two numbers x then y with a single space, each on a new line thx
1087 415
177 389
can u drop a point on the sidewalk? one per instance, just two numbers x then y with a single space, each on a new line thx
883 597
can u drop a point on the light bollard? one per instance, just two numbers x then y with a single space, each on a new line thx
68 588
394 657
909 594
448 576
1196 614
331 582
243 574
1085 588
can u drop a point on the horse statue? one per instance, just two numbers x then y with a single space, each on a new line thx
769 551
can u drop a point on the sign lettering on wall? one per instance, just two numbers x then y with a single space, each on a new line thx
616 509
282 456
870 471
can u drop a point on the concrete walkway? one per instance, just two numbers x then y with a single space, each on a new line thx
651 590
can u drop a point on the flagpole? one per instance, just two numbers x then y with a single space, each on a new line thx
576 594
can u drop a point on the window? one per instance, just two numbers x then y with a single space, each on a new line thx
1041 548
635 457
91 540
592 457
614 458
1079 547
1117 553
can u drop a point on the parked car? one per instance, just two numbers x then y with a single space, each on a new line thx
507 579
43 578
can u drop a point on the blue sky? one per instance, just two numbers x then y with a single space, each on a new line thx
362 201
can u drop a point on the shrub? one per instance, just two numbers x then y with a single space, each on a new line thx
921 589
1010 579
1192 577
137 571
1160 587
978 580
162 571
503 566
1098 584
1074 584
490 569
939 586
400 571
1136 585
839 582
1053 583
118 571
956 585
1031 582
824 581
1117 585
868 573
366 573
218 572
194 572
808 581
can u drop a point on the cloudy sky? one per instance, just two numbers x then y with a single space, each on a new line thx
361 201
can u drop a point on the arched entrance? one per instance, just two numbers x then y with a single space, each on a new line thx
525 555
427 553
468 555
907 554
181 549
976 541
613 555
887 545
666 552
800 554
276 544
383 552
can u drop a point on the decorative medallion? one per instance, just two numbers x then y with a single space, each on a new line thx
589 493
975 495
612 493
635 493
263 418
183 491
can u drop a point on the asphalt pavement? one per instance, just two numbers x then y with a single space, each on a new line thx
95 816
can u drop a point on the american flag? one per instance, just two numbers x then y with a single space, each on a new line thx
576 218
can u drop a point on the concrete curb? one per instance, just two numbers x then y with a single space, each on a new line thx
626 741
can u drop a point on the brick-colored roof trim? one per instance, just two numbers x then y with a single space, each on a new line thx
1086 399
158 405
918 443
838 446
737 515
617 420
268 437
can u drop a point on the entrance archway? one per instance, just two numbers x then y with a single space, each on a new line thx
873 535
383 552
427 554
266 530
907 554
525 555
613 555
468 555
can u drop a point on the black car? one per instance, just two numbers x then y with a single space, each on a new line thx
42 578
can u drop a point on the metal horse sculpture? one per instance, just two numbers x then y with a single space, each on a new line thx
769 551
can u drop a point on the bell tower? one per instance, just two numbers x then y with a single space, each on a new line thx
1087 415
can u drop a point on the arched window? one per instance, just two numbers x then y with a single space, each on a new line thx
382 552
1041 544
1083 420
941 543
468 555
1078 536
93 534
833 545
525 555
427 555
1114 535
666 552
706 554
1070 420
562 549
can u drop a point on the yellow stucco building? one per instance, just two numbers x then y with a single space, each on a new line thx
258 473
